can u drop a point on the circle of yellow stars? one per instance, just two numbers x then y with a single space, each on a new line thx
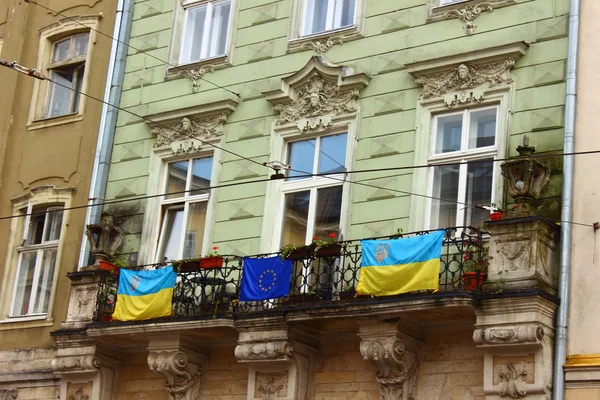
264 275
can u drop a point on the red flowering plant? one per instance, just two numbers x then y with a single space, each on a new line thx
475 261
213 253
318 243
315 244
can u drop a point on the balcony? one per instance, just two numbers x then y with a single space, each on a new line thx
325 279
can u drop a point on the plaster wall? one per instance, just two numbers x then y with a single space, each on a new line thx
60 155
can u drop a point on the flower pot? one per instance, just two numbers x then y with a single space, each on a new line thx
495 216
211 262
474 280
108 266
106 318
301 253
329 250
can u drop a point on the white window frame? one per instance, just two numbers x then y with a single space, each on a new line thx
39 249
463 155
422 182
41 89
331 19
185 200
24 204
178 31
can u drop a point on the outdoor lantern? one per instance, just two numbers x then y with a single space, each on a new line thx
104 238
525 177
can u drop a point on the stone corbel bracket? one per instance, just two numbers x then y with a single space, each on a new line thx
8 394
187 130
465 12
467 77
394 355
182 368
317 94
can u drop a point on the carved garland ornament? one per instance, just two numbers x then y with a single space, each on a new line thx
76 363
393 373
195 75
264 351
316 98
464 78
524 334
190 128
322 46
181 375
270 386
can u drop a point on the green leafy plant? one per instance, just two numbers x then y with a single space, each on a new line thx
476 262
214 252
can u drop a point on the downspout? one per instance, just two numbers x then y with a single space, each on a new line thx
560 350
108 120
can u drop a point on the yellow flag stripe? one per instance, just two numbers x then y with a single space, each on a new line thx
395 279
137 308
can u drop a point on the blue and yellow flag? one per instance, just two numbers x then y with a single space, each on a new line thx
401 265
144 294
265 278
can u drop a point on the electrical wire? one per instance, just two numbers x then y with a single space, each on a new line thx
126 44
35 74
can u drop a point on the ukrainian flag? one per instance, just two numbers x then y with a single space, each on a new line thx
144 294
396 266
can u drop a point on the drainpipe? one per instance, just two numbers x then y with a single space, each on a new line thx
560 350
108 121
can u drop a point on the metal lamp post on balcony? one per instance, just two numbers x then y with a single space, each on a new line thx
105 238
525 177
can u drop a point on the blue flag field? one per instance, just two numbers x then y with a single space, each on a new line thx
265 278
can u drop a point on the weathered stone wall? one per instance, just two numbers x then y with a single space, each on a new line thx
39 393
225 379
582 394
137 381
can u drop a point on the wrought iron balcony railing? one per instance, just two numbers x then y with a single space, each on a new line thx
324 277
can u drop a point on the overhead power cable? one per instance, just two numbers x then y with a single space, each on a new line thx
126 44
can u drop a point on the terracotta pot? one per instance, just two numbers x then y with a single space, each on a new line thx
108 266
474 280
495 216
211 262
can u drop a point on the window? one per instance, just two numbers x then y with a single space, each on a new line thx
37 256
67 68
205 30
327 15
446 2
468 135
312 206
184 210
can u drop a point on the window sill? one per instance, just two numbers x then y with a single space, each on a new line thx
37 321
323 41
42 123
215 62
439 12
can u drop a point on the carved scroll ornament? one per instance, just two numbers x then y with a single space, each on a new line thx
195 75
466 77
468 15
525 334
182 376
264 351
76 364
317 97
322 46
190 128
393 372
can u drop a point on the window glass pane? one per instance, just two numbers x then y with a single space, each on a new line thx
329 207
36 227
194 230
53 225
344 13
301 157
449 132
332 155
479 191
60 96
193 35
445 186
201 172
173 224
295 218
219 27
177 176
315 18
482 131
61 50
80 47
24 283
45 281
78 84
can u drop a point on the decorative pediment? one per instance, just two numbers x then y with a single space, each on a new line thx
465 78
316 94
185 130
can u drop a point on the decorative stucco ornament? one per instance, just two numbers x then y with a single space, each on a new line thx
195 75
8 394
322 46
79 395
269 386
190 128
182 377
462 80
525 177
519 334
468 14
276 350
316 98
510 376
104 238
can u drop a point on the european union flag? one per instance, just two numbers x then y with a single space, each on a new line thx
265 278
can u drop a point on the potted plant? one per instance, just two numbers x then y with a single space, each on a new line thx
304 298
113 265
210 261
327 248
475 269
316 248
